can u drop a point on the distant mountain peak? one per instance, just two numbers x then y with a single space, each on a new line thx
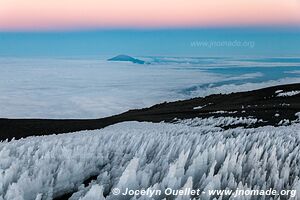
126 58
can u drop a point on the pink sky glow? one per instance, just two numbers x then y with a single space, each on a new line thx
85 14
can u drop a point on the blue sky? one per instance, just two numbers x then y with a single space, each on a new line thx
159 42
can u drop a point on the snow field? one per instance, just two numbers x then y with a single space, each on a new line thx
193 153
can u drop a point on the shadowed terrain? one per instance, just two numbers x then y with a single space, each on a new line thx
266 104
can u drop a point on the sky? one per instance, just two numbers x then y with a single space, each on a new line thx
156 27
171 42
86 14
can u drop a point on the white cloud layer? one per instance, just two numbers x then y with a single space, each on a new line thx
90 88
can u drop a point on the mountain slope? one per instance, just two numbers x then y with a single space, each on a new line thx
272 106
126 58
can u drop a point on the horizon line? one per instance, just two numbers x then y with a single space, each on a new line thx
294 27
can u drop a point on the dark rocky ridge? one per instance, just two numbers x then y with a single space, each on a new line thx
261 104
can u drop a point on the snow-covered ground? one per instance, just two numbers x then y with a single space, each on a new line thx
288 94
192 153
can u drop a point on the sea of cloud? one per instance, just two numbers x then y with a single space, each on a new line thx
93 87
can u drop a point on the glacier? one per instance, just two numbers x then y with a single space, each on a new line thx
194 153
